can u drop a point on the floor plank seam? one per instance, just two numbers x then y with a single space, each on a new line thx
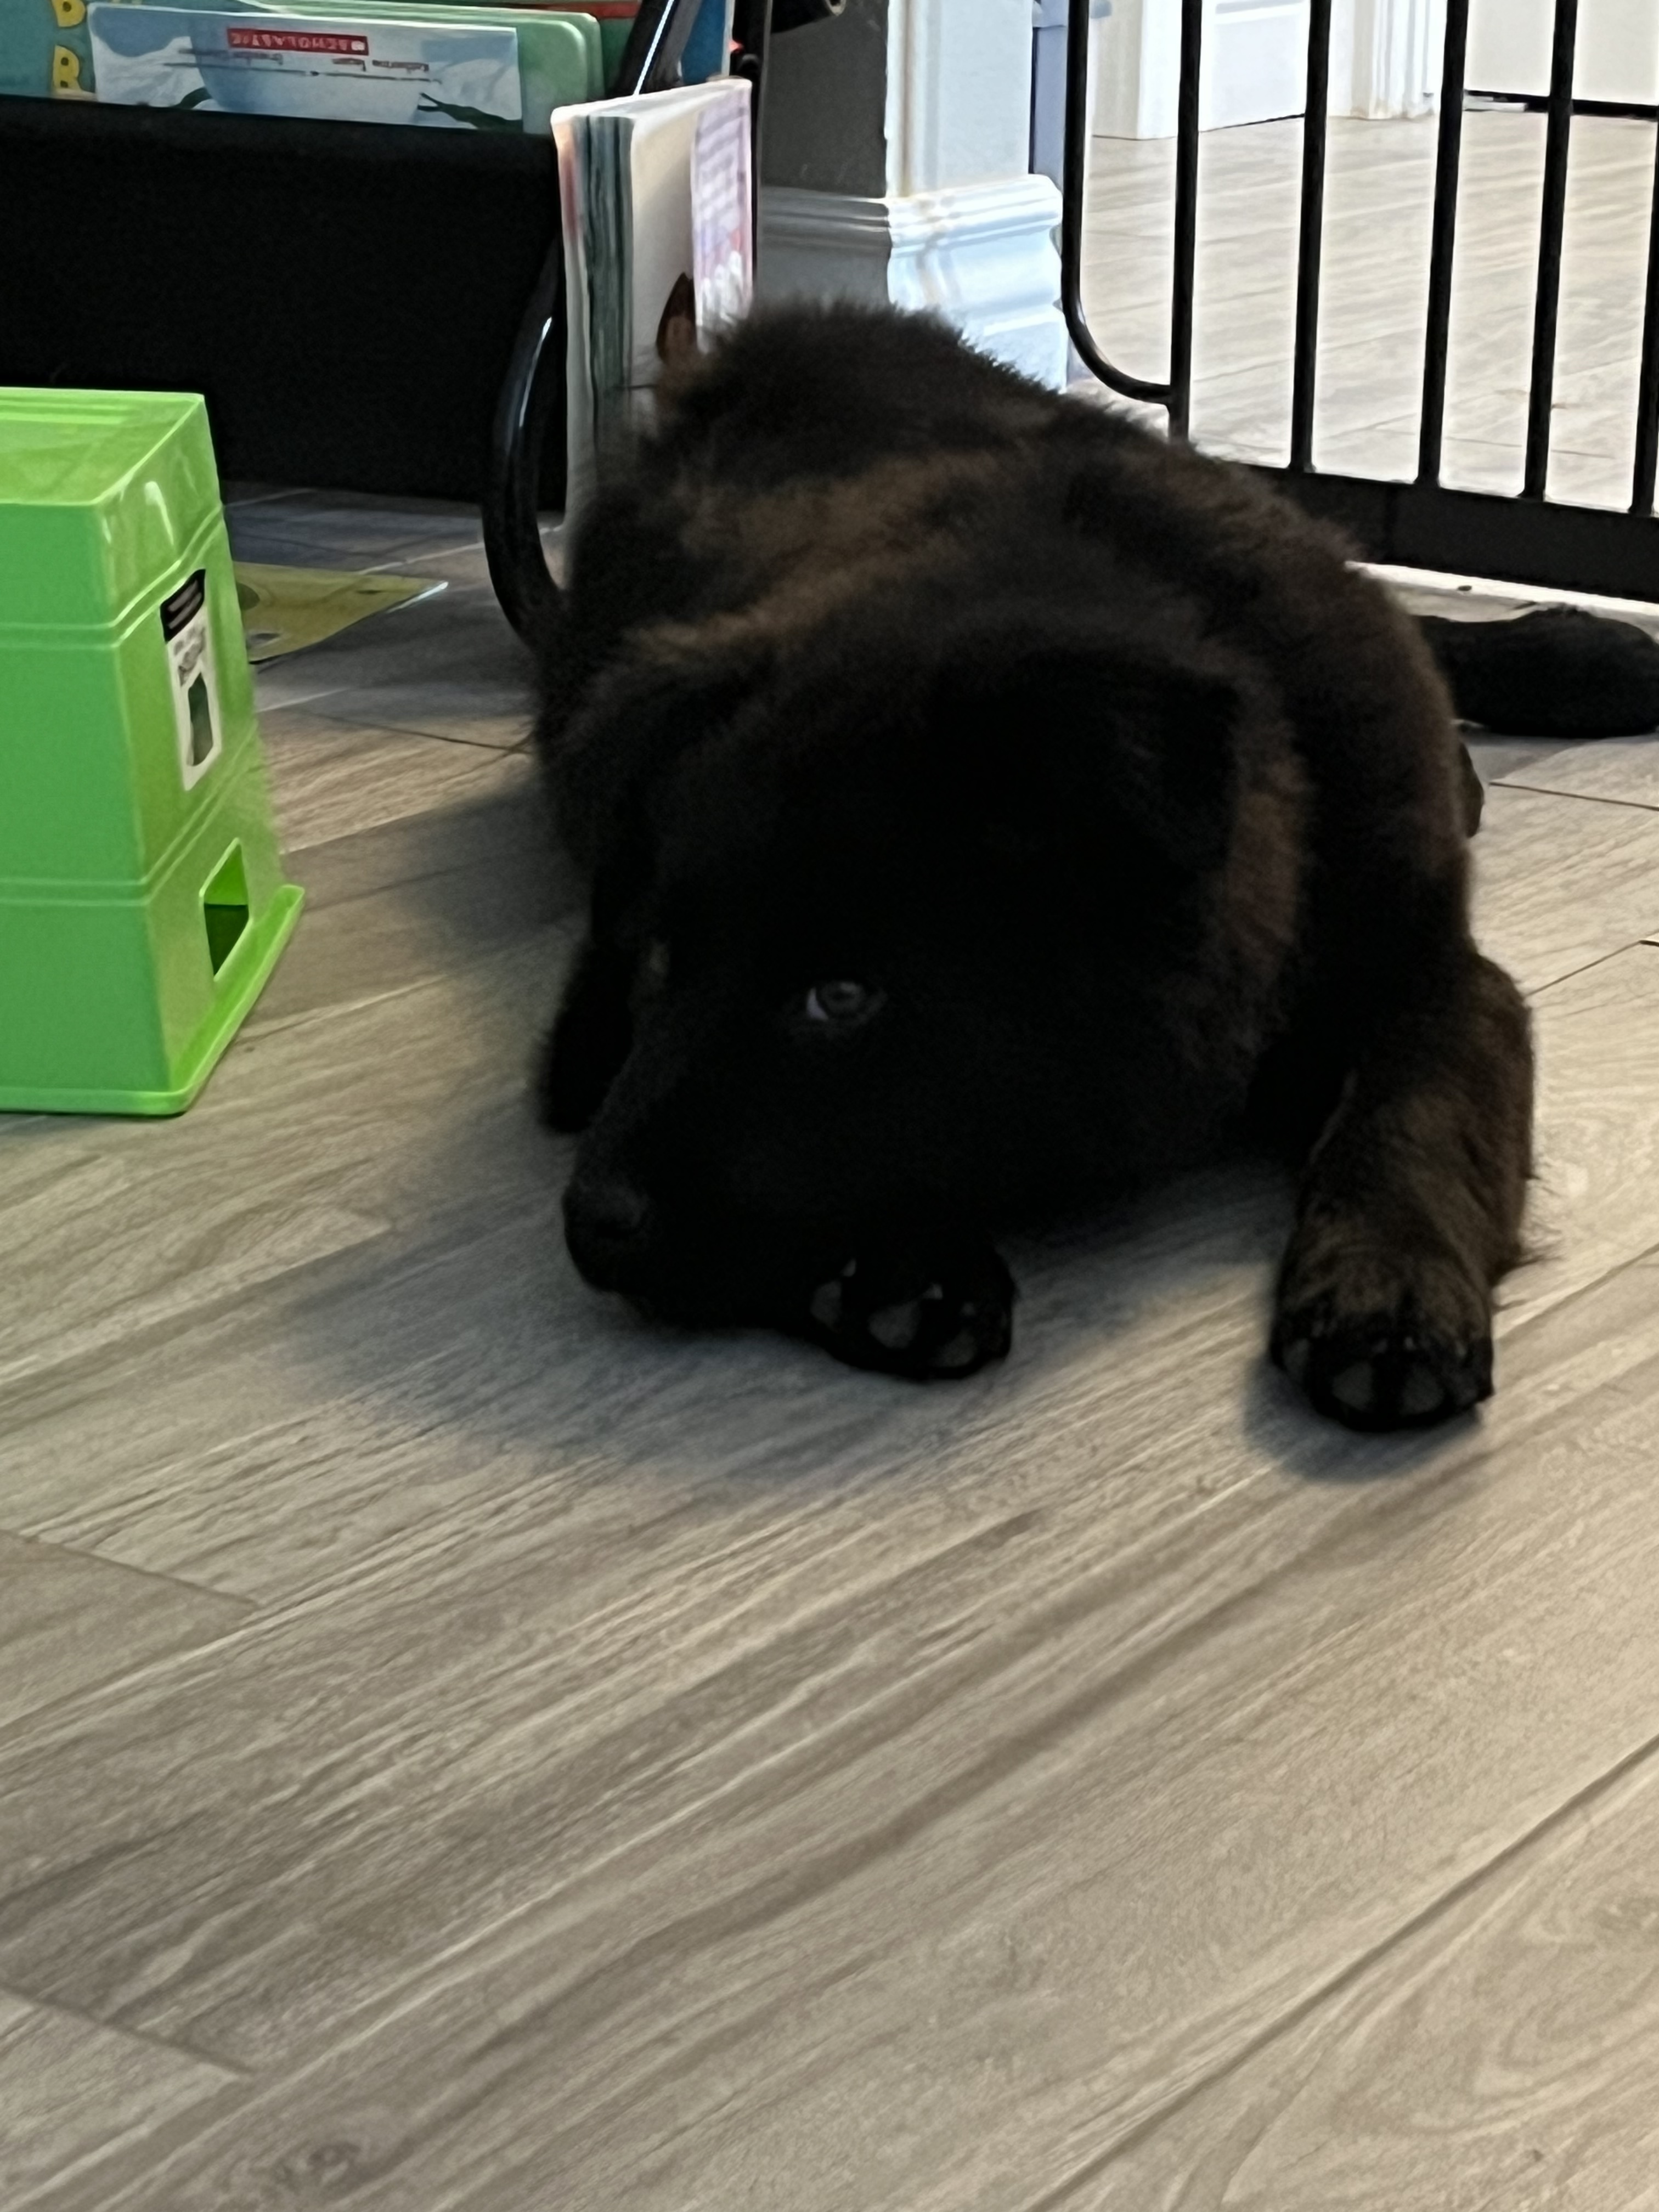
227 2067
415 730
1588 797
150 1574
434 873
235 503
1346 1977
343 724
283 1025
1646 1257
445 552
439 978
1601 960
431 1245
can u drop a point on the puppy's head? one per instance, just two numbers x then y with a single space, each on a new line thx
904 942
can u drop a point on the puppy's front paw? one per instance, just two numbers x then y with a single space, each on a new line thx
930 1324
1382 1336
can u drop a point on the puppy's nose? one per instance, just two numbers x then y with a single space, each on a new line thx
612 1210
607 1225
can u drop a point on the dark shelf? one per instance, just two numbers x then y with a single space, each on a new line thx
346 295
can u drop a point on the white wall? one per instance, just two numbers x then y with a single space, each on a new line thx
1386 56
1140 47
1255 65
1385 60
958 93
1256 61
1618 53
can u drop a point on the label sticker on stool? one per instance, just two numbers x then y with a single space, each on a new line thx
195 683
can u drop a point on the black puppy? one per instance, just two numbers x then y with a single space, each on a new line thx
988 805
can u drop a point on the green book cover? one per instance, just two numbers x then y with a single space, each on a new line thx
564 54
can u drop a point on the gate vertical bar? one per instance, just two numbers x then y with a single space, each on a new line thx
1444 242
1186 216
1073 188
1647 382
1547 309
1314 127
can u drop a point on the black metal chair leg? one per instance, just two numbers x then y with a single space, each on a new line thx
532 391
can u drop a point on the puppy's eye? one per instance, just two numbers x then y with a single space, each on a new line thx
840 1004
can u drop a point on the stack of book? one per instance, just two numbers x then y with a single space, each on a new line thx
655 199
449 64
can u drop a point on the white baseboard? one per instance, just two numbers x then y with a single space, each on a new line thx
983 256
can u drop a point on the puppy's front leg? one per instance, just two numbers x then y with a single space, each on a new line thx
1410 1209
591 1037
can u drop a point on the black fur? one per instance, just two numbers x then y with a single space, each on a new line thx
1135 812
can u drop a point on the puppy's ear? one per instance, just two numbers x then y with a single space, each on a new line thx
1079 742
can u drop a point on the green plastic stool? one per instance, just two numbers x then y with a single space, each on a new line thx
142 900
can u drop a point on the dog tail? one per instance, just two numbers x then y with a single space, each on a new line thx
1557 672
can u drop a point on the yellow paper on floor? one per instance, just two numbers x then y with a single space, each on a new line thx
284 608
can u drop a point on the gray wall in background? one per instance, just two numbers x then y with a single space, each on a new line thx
826 104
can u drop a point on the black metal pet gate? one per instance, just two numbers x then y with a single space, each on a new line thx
1420 523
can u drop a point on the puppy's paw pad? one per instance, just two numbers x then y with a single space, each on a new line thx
896 1327
1383 1372
963 1352
960 1321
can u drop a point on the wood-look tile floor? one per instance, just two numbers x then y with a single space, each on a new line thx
463 1751
1379 196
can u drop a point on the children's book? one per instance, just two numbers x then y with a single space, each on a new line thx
655 198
